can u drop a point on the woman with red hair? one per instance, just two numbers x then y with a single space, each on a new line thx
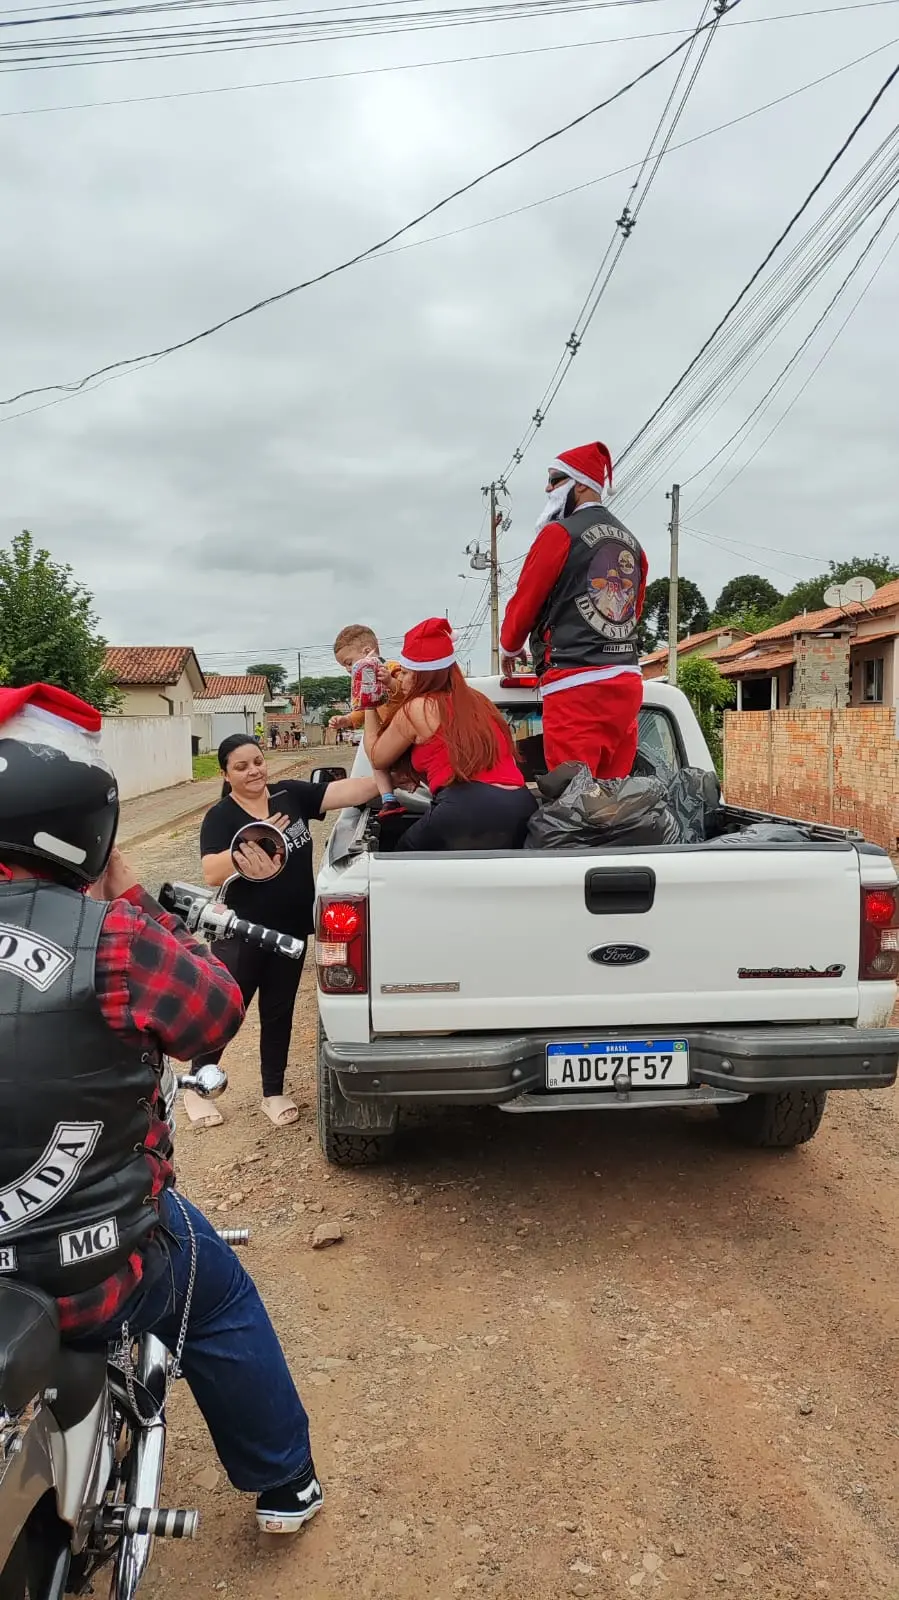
459 744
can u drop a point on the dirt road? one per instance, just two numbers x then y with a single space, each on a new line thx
561 1356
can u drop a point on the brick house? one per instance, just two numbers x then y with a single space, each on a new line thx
710 643
230 703
841 656
155 680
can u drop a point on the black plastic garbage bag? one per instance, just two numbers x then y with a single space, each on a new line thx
606 813
695 798
766 833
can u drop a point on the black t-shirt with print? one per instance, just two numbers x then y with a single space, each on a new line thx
284 903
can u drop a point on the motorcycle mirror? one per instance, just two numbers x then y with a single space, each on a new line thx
268 838
208 1082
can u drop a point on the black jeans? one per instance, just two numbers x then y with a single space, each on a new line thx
276 980
473 816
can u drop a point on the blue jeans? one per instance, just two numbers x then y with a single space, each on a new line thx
232 1360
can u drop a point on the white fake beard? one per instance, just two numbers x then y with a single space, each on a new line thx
555 505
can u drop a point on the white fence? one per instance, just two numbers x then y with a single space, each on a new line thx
147 753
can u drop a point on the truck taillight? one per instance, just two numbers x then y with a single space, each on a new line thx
528 681
341 945
879 957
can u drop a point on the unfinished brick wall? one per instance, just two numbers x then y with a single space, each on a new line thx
825 766
821 678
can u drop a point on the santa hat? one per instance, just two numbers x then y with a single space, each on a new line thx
428 647
40 714
590 464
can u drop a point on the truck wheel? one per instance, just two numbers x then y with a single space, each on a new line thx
775 1121
346 1149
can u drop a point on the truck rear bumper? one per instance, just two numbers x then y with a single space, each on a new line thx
490 1069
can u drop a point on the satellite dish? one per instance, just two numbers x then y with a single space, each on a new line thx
856 591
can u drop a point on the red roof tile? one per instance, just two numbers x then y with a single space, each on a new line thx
146 663
219 684
692 642
761 661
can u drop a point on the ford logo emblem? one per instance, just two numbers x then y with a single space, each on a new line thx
619 955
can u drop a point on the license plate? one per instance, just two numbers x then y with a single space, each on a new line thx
618 1064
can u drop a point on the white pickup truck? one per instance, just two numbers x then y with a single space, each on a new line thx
752 978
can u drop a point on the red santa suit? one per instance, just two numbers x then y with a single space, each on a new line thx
579 598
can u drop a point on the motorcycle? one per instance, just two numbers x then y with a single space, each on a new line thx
82 1434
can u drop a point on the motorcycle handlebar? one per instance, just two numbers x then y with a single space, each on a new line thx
203 914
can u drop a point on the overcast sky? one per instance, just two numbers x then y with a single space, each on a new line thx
321 462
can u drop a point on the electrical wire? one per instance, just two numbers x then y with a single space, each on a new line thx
362 255
624 226
729 314
775 303
452 61
214 37
774 389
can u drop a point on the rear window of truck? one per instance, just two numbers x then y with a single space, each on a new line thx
657 742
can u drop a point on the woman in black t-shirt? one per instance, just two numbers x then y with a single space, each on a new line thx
283 902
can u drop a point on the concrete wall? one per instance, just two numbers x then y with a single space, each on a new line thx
148 753
824 766
228 722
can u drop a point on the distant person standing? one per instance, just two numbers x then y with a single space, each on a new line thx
579 598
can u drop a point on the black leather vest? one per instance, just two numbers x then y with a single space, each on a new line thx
74 1101
590 616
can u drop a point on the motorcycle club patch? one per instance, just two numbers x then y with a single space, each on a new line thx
36 961
7 1258
82 1244
54 1173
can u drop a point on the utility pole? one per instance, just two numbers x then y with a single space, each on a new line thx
300 685
494 583
674 533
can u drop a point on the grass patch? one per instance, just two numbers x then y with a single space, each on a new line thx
206 766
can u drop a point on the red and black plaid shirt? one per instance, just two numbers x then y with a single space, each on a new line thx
157 986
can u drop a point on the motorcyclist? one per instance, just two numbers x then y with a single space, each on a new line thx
96 982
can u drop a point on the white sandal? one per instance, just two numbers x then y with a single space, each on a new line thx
282 1112
200 1113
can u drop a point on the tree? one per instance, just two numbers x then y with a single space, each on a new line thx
809 595
748 602
325 691
692 608
48 626
272 670
708 693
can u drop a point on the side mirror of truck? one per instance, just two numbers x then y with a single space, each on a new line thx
328 774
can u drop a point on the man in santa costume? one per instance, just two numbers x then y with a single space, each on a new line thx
578 600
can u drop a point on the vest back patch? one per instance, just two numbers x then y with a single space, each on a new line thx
38 962
54 1173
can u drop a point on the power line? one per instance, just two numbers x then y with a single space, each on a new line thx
452 61
772 304
775 387
716 543
362 255
623 229
221 36
766 260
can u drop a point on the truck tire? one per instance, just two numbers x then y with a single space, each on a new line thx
339 1148
775 1121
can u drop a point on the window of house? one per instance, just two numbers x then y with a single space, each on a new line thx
872 681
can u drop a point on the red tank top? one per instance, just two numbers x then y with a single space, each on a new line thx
432 761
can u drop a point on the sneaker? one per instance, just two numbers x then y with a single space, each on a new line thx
391 808
285 1510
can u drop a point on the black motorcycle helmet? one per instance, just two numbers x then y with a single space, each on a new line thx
59 801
